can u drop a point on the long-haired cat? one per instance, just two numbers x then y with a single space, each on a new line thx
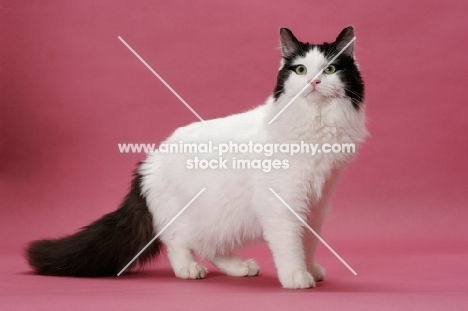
237 206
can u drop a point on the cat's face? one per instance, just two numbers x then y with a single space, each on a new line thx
303 61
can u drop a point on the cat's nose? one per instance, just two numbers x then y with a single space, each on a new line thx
315 82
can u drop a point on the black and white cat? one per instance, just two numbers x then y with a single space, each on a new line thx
237 206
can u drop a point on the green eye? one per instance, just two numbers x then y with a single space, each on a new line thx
330 69
300 69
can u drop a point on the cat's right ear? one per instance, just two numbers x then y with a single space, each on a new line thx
289 43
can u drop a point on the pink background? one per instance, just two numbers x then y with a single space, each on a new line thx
71 91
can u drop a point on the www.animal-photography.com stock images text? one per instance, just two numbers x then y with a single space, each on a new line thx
233 155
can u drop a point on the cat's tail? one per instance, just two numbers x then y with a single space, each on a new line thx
104 247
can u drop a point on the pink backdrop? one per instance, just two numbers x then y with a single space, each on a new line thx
71 91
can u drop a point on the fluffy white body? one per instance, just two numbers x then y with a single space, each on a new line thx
237 206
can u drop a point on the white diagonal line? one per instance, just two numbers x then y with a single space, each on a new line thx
313 79
162 80
162 230
312 230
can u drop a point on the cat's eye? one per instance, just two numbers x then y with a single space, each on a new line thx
300 69
330 69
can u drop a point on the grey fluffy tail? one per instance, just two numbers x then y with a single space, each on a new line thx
104 247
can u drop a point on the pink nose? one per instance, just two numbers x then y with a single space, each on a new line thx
315 82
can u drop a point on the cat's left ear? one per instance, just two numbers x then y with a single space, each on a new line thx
289 43
343 39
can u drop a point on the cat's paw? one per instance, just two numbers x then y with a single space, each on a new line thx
193 271
298 279
252 267
317 272
245 268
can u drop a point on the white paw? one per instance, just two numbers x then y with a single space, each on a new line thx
253 268
244 268
298 279
194 271
317 272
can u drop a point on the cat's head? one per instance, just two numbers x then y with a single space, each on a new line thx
301 62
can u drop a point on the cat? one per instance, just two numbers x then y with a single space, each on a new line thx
237 206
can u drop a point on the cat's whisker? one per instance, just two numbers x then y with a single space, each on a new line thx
349 89
357 95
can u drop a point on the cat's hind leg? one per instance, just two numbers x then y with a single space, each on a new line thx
235 266
183 263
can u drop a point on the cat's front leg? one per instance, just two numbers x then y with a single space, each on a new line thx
284 236
315 221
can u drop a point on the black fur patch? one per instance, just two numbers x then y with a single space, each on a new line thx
348 72
345 65
104 247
